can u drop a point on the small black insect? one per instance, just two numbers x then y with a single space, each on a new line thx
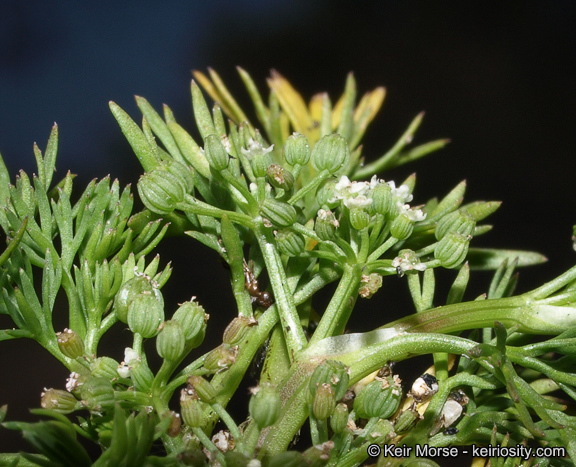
263 299
451 431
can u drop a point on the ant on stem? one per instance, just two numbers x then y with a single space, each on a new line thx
263 299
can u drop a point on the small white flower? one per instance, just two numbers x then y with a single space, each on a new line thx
402 192
255 148
375 181
327 215
131 356
226 143
72 382
352 194
414 215
408 261
358 202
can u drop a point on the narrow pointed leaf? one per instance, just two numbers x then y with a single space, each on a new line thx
144 152
159 128
488 259
201 112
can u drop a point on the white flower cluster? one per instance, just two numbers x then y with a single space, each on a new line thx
403 197
354 195
130 358
255 148
407 261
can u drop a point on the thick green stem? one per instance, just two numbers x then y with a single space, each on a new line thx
368 357
522 312
295 337
337 313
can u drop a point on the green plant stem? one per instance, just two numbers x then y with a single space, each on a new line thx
137 343
195 206
337 313
312 185
295 338
521 311
182 376
241 187
251 438
554 285
382 249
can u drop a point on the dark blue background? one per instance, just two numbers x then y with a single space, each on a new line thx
498 79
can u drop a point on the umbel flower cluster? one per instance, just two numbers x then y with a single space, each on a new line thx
294 206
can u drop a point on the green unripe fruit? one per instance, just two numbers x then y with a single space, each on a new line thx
383 201
170 343
215 153
326 225
331 153
192 409
324 401
457 221
192 319
359 218
220 358
238 329
183 173
141 376
297 150
332 372
290 243
260 164
325 194
134 287
104 366
145 315
160 190
402 227
265 405
97 394
380 398
339 418
70 343
280 177
203 388
452 249
279 214
406 420
59 401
